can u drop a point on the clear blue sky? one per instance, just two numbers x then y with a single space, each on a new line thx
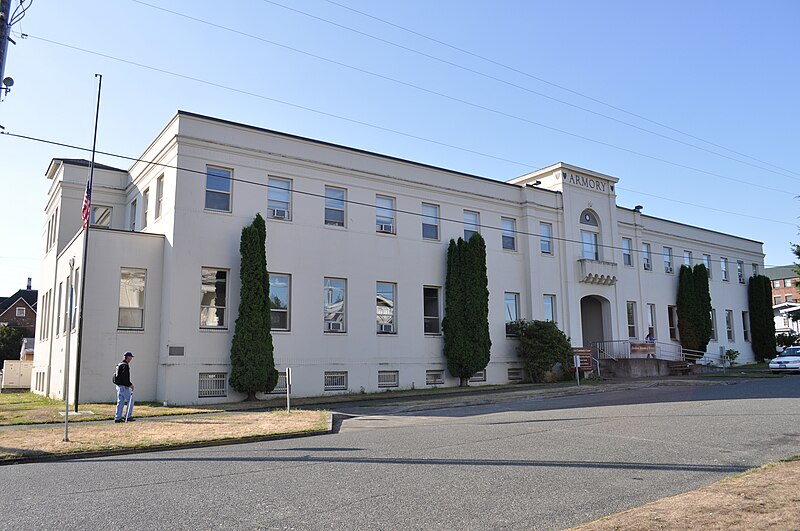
724 72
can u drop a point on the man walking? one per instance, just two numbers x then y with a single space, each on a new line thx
122 379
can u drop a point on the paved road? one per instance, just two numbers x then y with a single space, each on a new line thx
519 463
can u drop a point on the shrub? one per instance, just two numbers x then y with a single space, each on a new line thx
730 355
542 346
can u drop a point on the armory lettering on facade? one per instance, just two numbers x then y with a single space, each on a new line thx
592 184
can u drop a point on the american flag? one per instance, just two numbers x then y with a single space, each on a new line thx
86 210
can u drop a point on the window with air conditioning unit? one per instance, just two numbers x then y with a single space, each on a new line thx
279 197
384 214
648 266
385 328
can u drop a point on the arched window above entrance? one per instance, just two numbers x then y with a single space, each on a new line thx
588 218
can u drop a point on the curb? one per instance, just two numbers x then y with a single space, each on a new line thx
165 447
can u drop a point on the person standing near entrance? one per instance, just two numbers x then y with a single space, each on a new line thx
122 379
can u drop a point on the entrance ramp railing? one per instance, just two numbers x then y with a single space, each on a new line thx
626 349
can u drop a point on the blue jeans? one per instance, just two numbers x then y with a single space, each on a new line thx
124 394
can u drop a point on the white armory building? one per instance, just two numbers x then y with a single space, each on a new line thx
356 250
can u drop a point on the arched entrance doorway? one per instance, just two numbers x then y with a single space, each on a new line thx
595 319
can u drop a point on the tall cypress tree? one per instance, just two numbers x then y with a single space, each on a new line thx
252 363
703 317
467 344
762 324
687 308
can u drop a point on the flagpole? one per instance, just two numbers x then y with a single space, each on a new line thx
86 224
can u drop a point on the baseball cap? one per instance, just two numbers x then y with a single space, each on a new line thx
128 353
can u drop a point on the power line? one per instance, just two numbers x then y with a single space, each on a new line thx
542 80
417 137
322 196
526 89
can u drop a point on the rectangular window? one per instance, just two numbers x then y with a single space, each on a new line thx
646 263
672 316
511 312
549 304
707 263
67 291
58 308
746 326
430 221
627 257
384 214
159 196
687 258
789 298
101 216
75 284
729 324
335 381
334 293
472 222
431 310
787 282
776 300
651 322
740 271
212 384
145 207
20 312
755 269
713 324
131 298
589 245
668 260
213 297
132 219
509 234
334 206
546 238
776 284
279 197
279 297
385 297
631 316
218 189
723 268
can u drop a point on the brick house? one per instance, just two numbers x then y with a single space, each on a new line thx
19 310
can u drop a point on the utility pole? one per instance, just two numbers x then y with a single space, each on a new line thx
5 35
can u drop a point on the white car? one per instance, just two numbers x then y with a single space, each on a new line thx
786 361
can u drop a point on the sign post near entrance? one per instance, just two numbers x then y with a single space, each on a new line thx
582 359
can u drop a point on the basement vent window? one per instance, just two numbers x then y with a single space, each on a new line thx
176 351
388 379
213 384
479 376
515 375
280 388
336 380
434 377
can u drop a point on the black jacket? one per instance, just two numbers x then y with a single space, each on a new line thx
123 374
